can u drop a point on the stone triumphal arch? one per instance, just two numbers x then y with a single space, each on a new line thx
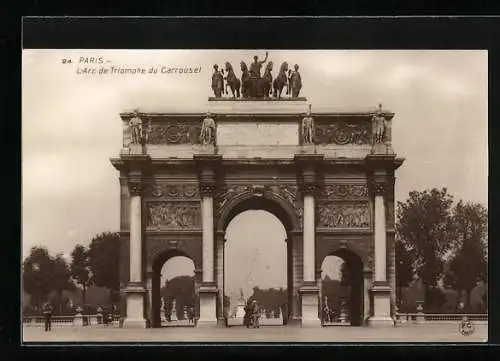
327 176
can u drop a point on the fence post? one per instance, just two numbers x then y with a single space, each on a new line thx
78 320
396 312
99 315
420 313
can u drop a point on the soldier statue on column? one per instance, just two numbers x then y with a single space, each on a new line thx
379 124
308 128
207 136
135 125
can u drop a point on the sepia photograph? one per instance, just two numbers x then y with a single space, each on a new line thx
259 195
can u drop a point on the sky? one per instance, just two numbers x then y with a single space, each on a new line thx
71 125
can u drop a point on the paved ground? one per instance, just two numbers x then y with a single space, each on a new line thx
405 333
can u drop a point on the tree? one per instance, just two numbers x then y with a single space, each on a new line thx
80 269
104 257
38 280
182 289
404 267
61 277
468 263
345 274
425 227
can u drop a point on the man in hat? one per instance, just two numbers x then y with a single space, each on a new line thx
248 314
255 314
47 313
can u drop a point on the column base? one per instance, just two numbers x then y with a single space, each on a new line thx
208 304
135 293
380 321
309 293
381 294
134 323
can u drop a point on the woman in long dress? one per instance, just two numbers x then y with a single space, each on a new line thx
255 314
248 313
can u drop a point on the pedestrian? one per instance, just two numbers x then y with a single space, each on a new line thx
47 313
255 314
248 315
191 315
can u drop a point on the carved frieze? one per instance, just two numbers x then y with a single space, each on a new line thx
162 190
174 133
333 215
345 191
173 215
343 133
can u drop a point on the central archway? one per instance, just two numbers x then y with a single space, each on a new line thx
287 216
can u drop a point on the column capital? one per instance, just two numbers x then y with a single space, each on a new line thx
379 186
207 189
135 187
309 188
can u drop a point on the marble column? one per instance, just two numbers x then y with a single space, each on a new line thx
381 291
220 278
149 287
309 228
297 275
319 283
367 278
135 289
208 289
207 211
309 290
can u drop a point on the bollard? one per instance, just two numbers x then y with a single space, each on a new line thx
420 313
99 315
78 319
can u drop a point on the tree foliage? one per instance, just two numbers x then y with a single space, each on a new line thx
270 299
80 270
103 258
37 275
404 267
468 263
425 227
181 289
43 274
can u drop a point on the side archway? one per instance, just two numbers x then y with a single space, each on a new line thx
352 277
158 262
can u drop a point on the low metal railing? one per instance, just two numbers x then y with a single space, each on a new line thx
76 320
417 317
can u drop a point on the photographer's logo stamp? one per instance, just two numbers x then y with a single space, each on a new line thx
466 327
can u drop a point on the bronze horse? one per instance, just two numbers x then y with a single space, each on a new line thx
232 81
281 80
245 80
267 80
